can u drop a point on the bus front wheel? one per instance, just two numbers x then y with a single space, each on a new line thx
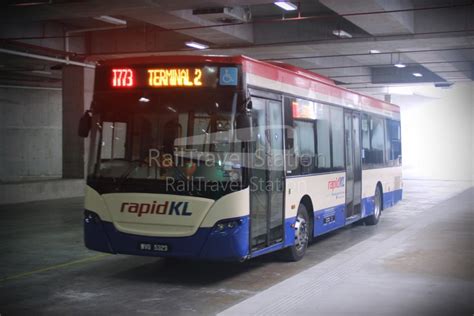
302 228
374 218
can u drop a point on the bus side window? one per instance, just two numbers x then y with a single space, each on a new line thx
323 140
365 139
290 142
373 140
305 146
377 140
337 138
393 142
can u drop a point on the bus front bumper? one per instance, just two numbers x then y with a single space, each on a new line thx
226 242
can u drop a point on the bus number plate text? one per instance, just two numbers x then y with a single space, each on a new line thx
329 219
153 247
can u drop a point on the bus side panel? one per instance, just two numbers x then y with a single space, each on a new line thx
390 178
327 194
229 244
329 219
235 204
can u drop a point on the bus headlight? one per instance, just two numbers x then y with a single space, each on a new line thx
91 217
227 224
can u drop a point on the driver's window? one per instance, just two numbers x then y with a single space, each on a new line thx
113 140
211 134
222 138
202 131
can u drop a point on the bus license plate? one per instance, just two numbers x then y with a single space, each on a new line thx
153 247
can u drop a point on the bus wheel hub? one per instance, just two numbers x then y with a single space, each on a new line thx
301 233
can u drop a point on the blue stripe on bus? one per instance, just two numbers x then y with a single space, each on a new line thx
231 244
289 232
334 216
321 227
391 198
206 243
268 249
368 206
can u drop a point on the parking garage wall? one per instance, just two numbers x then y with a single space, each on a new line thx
472 132
30 134
438 132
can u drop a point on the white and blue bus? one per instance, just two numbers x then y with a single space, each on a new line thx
229 158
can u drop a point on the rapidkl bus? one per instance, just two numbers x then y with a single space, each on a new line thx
230 158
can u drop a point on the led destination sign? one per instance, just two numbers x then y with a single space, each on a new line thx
174 77
168 77
123 77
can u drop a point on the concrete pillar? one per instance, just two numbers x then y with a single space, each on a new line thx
78 84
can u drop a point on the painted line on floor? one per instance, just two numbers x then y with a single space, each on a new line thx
55 267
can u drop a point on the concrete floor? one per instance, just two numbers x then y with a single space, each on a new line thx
418 260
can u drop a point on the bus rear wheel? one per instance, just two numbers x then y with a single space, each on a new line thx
302 228
374 218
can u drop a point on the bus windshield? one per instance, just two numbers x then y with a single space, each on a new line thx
185 136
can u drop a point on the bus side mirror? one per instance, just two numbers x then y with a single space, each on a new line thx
243 127
85 124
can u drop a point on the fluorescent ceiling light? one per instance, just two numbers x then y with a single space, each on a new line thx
196 45
400 65
111 20
417 74
287 6
341 34
443 85
401 90
374 51
29 4
42 72
144 100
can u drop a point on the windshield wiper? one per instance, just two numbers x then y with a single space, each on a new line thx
126 175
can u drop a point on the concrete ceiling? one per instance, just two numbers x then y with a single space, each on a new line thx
436 35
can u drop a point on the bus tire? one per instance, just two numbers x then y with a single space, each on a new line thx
374 218
302 227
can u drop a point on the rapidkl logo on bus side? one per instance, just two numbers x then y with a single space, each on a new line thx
337 183
166 208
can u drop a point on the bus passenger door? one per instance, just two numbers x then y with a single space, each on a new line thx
266 174
353 164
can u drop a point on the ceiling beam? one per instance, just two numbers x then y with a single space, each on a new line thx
370 65
397 19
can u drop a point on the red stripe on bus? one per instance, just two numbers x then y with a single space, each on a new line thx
272 72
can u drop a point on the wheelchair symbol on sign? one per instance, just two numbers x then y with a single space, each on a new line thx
228 76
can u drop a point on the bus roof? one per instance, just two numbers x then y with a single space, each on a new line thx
281 77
